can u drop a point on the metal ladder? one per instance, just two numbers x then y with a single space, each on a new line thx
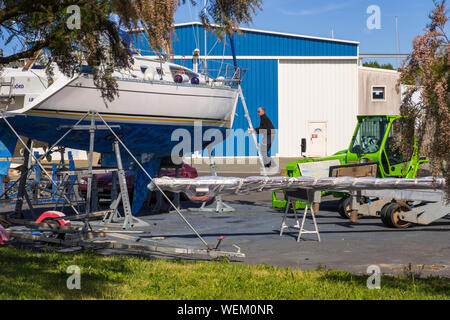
250 124
9 99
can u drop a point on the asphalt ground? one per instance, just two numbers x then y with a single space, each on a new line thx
255 228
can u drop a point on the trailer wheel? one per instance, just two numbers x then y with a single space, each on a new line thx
392 216
385 217
47 218
60 236
344 208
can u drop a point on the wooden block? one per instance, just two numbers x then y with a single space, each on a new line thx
359 171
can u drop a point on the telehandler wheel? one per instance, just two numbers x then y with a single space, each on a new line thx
391 215
384 216
344 208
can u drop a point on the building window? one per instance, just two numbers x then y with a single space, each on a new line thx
378 93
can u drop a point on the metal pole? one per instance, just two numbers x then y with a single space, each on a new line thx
397 47
64 135
151 179
90 164
241 94
23 180
206 44
123 188
39 163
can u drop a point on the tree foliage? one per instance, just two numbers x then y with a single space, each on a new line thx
427 68
43 24
375 64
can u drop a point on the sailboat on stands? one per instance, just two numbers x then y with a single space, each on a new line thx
156 97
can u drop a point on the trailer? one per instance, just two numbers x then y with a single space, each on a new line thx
397 208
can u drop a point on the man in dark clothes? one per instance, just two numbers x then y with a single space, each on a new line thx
267 129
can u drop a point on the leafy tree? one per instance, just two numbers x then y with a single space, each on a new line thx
43 24
427 68
375 64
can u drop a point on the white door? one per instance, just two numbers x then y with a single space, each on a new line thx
317 139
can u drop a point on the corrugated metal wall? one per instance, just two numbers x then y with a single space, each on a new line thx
260 87
259 44
187 38
317 90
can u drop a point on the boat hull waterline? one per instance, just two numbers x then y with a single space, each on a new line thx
147 113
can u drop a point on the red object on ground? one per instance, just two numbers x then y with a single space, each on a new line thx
54 214
4 236
199 199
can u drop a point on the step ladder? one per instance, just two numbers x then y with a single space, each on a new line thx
310 197
9 99
250 125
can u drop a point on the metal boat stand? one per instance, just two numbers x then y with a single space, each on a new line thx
128 221
32 187
29 152
160 205
22 192
221 206
209 249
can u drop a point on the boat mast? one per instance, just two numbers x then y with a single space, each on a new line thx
206 44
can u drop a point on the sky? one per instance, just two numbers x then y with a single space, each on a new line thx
348 19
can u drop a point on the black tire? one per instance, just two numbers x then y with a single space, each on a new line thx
60 236
344 208
391 216
385 216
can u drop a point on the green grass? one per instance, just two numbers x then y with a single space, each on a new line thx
31 275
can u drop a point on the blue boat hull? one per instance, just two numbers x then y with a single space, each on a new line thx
139 138
152 140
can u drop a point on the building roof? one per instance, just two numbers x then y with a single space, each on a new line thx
272 33
253 43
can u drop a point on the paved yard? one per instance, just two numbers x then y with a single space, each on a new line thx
254 227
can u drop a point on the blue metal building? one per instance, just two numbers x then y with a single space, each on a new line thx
305 83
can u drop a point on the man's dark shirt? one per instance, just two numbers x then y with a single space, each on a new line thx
267 125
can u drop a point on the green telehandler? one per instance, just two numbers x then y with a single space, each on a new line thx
373 142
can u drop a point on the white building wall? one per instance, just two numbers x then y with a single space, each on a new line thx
317 90
373 77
